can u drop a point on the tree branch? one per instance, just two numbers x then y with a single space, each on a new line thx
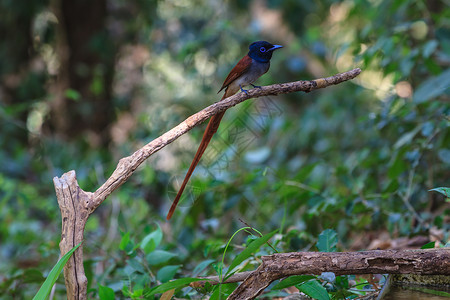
129 164
281 265
74 215
76 205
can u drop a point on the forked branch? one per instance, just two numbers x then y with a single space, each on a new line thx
76 205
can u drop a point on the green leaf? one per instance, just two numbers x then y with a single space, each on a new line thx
429 48
201 266
291 281
223 292
429 245
136 265
124 241
314 290
46 287
158 257
392 186
407 137
252 248
433 87
182 282
137 294
443 190
151 241
305 171
327 241
105 293
444 155
215 295
397 167
72 94
166 273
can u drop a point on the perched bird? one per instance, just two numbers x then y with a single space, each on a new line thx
247 70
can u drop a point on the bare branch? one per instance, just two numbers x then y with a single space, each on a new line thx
281 265
76 205
129 164
74 215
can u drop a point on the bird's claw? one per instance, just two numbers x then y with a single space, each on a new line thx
245 91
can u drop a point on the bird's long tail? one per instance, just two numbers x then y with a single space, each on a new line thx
211 129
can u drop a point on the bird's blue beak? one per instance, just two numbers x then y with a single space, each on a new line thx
275 47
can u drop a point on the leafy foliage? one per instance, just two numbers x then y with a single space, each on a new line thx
354 161
327 241
443 190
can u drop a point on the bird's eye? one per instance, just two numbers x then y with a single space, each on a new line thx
262 49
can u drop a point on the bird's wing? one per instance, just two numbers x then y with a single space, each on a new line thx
240 68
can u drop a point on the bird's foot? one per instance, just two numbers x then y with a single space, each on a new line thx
255 86
245 91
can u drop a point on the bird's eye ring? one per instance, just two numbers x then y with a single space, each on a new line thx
262 49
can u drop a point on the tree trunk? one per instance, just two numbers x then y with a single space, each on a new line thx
86 53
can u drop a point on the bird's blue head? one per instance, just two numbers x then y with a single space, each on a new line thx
261 51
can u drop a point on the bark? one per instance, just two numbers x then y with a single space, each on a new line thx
280 265
73 203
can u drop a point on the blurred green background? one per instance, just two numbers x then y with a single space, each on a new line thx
85 83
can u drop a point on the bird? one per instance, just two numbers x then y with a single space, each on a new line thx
245 72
